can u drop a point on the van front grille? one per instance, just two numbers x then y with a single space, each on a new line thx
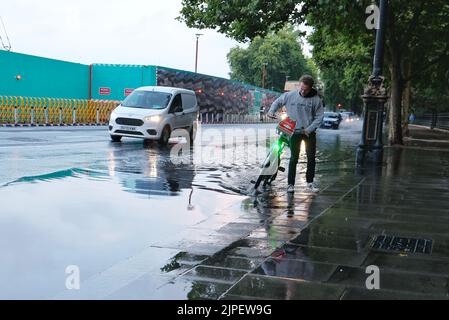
129 122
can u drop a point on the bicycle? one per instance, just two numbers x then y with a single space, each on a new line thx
271 164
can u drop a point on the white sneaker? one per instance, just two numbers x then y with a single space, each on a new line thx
290 188
311 187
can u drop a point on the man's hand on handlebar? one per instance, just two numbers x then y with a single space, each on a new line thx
307 133
271 115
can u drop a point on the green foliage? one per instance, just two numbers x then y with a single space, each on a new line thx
343 66
282 54
416 31
242 20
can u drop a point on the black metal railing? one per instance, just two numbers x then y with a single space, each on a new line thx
433 120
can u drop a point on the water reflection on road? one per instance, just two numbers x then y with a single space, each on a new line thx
121 212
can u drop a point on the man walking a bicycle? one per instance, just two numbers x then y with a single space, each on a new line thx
306 108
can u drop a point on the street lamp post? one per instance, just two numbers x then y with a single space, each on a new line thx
370 148
264 72
286 81
196 52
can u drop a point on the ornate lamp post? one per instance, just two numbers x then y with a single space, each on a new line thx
370 148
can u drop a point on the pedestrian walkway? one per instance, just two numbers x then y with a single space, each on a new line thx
395 219
319 246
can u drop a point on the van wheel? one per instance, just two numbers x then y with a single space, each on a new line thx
115 138
165 136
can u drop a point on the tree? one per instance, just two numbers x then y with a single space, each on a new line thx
280 52
416 35
343 67
415 43
242 20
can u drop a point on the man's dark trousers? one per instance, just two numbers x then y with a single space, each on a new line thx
295 144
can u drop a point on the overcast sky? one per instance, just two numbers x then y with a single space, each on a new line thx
114 31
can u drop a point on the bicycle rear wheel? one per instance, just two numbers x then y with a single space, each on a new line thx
259 181
273 156
273 176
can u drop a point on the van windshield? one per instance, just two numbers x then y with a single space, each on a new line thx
147 100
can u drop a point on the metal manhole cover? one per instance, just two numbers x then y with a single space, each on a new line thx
402 244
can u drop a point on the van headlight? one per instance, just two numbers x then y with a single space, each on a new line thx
113 116
153 119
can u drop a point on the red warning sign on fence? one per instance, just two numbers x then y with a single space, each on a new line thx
128 91
105 91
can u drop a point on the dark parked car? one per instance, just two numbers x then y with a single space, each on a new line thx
331 120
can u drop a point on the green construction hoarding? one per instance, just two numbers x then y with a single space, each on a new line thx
31 76
116 82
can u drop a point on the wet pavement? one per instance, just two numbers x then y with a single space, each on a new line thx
139 226
421 136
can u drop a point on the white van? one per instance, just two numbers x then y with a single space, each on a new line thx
154 113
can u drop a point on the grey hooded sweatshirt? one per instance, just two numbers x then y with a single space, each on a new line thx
308 111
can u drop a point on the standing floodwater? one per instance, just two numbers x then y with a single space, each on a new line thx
128 217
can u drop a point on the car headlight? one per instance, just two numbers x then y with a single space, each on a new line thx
153 119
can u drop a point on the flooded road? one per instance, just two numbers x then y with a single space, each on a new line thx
128 218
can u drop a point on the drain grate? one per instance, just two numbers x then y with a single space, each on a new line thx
401 244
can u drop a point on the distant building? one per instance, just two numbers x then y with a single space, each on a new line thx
291 85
